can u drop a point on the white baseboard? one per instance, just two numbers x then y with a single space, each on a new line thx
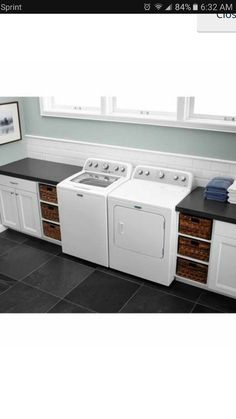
76 152
2 228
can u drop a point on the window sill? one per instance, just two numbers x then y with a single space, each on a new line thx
165 121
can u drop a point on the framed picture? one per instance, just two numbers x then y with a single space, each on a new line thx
10 129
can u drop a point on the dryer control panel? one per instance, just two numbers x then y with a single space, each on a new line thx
163 175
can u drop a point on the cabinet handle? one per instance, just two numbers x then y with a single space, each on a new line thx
137 206
14 183
17 194
80 195
12 193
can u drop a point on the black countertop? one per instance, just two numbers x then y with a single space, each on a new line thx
39 170
195 204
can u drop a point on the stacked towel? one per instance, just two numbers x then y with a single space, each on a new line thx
232 193
217 189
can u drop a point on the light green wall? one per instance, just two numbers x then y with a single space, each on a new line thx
13 151
174 140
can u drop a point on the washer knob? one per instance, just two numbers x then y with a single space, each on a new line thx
122 169
176 177
147 173
183 178
116 168
161 175
95 164
140 172
90 163
105 166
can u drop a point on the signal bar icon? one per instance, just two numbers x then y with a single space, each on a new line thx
169 8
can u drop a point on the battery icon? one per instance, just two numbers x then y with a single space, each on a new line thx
195 7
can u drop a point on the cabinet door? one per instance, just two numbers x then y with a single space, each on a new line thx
8 208
27 203
222 272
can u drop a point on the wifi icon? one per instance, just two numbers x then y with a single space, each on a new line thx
158 6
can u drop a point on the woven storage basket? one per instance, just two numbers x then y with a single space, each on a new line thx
50 212
192 270
48 193
195 249
52 230
195 226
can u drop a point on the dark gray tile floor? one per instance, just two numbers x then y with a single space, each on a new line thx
36 277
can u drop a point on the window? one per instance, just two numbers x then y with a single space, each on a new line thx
184 112
152 105
211 108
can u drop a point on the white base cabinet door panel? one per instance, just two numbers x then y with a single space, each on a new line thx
222 272
8 208
27 204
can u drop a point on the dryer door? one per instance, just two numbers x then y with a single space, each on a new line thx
139 231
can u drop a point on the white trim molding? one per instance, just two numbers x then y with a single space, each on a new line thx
2 228
108 111
76 152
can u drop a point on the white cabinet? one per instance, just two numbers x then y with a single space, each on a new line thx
28 210
20 208
222 270
8 208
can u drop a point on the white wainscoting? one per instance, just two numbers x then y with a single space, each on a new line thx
76 152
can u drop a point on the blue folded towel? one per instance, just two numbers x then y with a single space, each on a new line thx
216 197
219 184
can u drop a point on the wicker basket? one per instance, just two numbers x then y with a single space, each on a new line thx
195 249
48 193
195 226
52 230
50 212
192 270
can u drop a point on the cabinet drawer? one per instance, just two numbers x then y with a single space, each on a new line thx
225 229
192 270
193 248
195 226
18 183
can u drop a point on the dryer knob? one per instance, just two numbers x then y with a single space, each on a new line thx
161 175
140 172
176 177
147 173
90 163
183 178
95 164
116 168
105 166
122 169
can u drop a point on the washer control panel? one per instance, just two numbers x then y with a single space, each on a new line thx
106 166
162 175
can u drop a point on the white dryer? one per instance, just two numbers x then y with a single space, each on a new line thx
82 200
143 223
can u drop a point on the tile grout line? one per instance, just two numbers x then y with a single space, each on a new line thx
133 295
152 285
196 302
74 304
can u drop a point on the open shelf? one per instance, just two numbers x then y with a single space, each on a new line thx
194 237
192 259
50 221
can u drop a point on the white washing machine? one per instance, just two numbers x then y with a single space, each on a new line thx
82 200
143 223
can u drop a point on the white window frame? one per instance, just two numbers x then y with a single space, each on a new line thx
108 111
